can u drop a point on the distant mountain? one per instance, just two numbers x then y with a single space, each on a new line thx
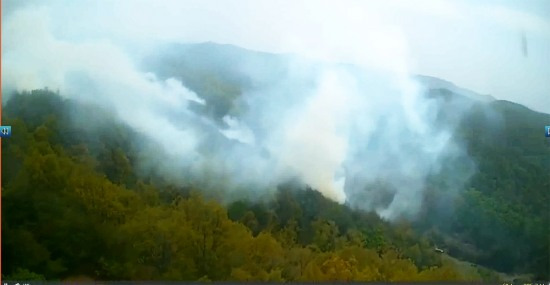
236 65
431 82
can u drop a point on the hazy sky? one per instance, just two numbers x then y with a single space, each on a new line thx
475 44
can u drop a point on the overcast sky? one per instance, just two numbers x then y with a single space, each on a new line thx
475 44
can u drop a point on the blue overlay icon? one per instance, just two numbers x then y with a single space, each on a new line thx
5 131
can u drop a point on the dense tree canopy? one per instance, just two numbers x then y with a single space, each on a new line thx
74 207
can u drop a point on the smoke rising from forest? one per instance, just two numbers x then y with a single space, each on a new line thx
344 117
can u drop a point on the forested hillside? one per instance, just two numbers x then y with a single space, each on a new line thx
73 208
501 217
275 141
78 204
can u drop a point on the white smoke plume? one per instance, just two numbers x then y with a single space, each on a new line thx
339 129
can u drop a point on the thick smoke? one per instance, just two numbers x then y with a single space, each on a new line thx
95 72
362 132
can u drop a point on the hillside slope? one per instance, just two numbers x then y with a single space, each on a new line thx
499 220
75 208
89 178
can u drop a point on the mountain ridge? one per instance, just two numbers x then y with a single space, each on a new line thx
206 51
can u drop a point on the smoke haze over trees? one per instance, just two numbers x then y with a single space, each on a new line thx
124 224
327 160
